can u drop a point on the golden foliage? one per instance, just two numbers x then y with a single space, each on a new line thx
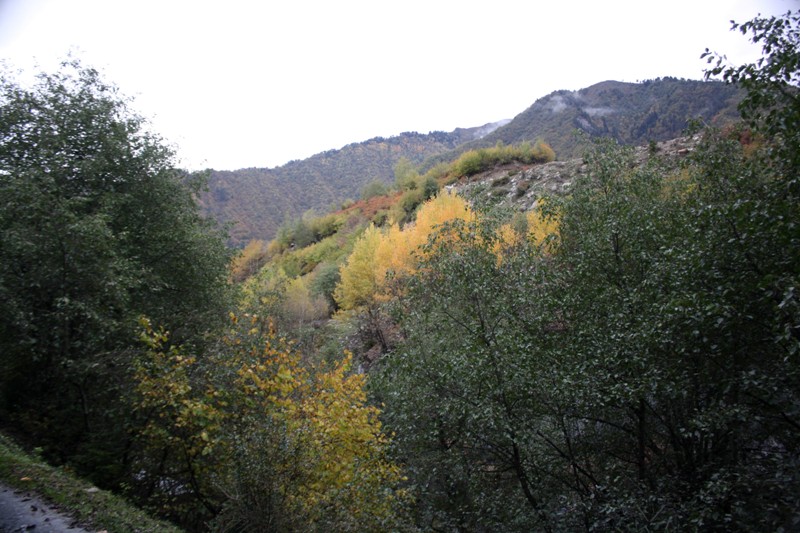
379 257
359 284
303 440
541 227
249 261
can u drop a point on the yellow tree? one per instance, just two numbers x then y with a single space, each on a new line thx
380 260
359 283
294 447
249 261
395 254
535 227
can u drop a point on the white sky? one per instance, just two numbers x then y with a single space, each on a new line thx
238 83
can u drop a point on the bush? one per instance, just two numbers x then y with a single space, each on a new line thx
373 189
475 161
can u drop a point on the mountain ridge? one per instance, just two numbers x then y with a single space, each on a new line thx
257 201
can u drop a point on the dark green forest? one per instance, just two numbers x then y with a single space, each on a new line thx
622 357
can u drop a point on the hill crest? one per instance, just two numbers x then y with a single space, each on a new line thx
257 201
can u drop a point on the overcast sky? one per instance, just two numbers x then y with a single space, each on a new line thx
238 83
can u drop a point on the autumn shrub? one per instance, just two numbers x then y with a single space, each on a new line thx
326 277
474 161
540 152
325 226
429 188
439 172
469 163
403 210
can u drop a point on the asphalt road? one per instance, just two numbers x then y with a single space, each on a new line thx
23 511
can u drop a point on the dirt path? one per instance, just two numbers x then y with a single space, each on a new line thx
23 511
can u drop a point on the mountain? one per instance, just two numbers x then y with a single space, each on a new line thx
258 200
631 113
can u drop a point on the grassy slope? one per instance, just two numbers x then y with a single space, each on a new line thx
94 509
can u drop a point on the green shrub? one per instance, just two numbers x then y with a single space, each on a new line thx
373 189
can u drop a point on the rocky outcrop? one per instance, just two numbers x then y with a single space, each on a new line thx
519 186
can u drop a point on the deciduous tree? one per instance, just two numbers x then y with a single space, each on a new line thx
97 227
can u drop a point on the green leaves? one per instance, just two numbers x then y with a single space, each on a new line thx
97 228
772 103
630 370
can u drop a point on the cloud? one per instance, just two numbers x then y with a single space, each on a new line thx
556 103
598 111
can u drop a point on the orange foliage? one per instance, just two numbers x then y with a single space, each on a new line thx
369 208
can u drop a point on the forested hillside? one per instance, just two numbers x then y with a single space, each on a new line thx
259 201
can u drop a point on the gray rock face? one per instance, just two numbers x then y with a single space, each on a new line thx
520 186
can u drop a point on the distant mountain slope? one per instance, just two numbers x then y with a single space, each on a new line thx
258 200
631 113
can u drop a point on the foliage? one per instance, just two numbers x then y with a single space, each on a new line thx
405 174
325 281
464 391
380 257
637 372
97 227
270 444
374 188
249 261
475 161
305 231
359 282
617 377
772 102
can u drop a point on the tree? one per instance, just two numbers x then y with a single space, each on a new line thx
374 188
467 392
249 261
270 444
97 228
772 102
405 174
359 283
